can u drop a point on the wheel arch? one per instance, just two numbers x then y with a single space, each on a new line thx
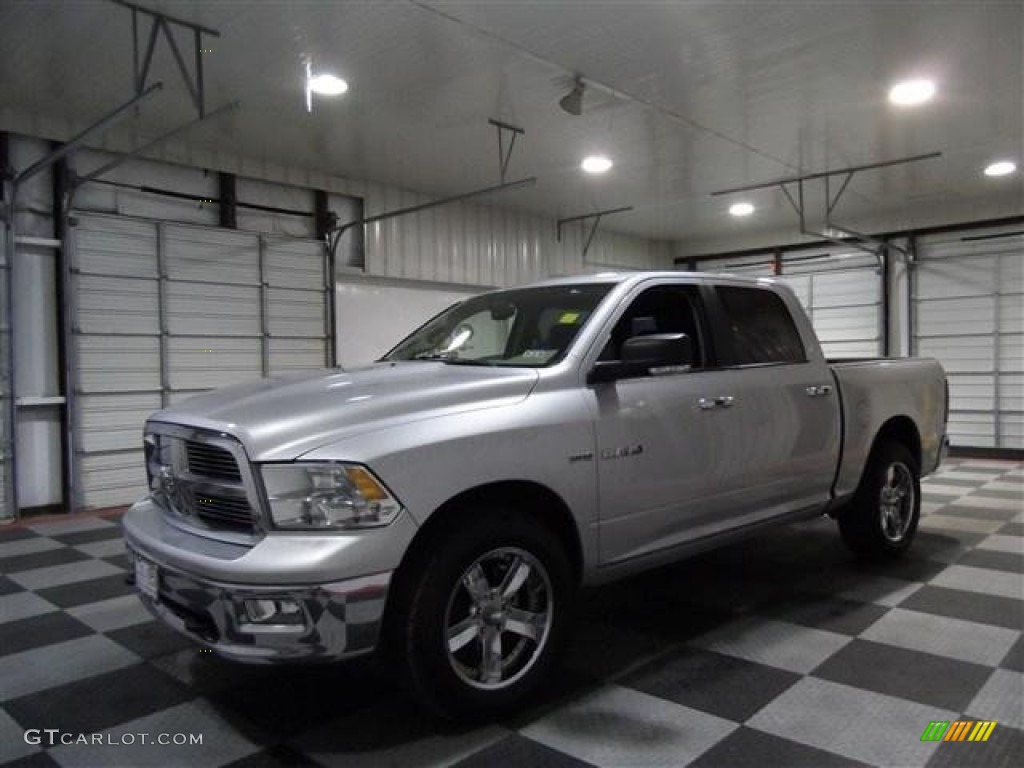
526 497
903 430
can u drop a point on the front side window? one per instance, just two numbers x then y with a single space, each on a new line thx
523 327
761 327
662 309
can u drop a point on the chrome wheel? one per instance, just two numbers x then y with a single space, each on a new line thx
499 618
896 502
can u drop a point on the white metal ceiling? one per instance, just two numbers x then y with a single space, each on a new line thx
690 97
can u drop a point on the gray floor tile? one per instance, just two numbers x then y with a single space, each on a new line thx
948 520
42 668
57 575
861 725
116 613
724 686
73 524
1014 659
22 605
776 643
847 617
750 748
104 548
943 636
989 559
921 677
1001 699
617 727
861 587
1003 543
27 546
969 606
988 502
221 741
12 739
983 580
516 750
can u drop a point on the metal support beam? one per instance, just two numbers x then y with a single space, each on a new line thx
504 156
162 22
62 173
264 310
8 435
852 238
823 174
78 181
596 216
72 144
504 187
163 321
323 219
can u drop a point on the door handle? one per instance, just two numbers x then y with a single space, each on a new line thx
706 403
819 390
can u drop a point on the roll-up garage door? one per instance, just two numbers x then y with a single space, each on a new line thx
840 290
164 311
968 311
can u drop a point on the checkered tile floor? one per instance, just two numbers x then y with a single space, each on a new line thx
778 651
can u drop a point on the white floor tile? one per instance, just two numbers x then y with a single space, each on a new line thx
1000 699
23 605
776 643
105 548
858 724
617 727
984 580
998 543
107 615
948 521
28 546
943 636
73 524
989 502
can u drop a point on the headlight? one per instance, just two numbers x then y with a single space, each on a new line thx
327 496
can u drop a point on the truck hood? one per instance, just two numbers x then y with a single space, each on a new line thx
280 419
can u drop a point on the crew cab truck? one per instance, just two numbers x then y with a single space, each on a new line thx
444 504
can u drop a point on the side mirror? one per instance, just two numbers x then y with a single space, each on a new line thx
642 355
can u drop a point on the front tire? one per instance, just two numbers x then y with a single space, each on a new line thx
882 520
486 617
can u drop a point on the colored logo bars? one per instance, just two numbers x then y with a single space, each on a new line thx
958 730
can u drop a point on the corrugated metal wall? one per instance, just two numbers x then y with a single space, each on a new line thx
968 309
841 291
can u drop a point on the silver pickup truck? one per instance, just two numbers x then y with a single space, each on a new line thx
444 504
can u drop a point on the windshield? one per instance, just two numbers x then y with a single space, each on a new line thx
525 327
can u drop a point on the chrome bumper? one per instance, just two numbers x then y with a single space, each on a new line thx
335 621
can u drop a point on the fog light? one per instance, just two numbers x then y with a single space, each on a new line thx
280 611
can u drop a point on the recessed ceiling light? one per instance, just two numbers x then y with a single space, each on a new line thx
911 92
1002 168
327 85
596 164
741 209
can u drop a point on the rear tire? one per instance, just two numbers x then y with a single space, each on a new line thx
483 618
881 521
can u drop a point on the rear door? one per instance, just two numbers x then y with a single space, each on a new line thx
778 411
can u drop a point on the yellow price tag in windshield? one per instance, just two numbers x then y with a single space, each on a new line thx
569 318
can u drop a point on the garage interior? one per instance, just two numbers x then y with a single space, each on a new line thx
183 211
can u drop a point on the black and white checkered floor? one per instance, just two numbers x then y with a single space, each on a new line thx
778 651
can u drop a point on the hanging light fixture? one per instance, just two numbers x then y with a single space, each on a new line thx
572 102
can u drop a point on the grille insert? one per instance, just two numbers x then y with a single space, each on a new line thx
211 461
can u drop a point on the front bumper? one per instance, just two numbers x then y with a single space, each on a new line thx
336 584
338 620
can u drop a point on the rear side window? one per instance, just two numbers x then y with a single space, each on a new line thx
761 327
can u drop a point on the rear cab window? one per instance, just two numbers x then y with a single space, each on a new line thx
760 327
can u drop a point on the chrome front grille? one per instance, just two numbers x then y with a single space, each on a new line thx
202 478
206 460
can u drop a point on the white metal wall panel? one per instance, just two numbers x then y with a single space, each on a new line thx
967 309
210 255
295 355
214 310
